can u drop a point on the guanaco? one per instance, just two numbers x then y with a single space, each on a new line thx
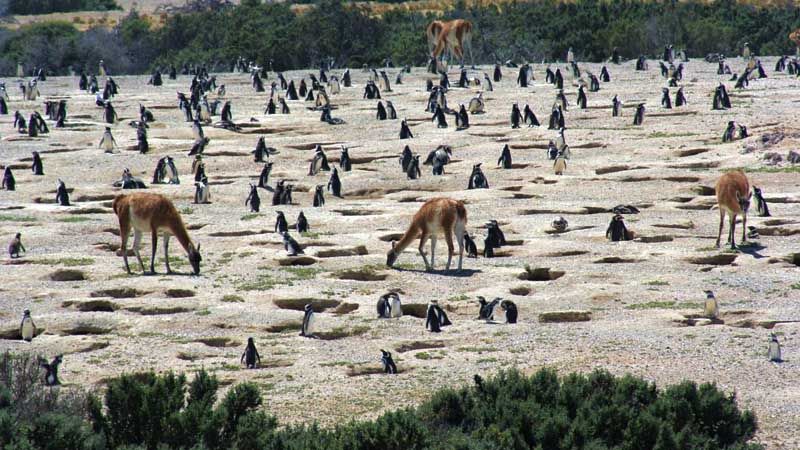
454 35
436 216
733 197
154 213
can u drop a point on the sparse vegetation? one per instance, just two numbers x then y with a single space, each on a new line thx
68 261
231 298
13 218
668 304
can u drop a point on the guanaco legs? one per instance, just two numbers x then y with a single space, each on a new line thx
453 36
733 197
154 213
794 36
436 216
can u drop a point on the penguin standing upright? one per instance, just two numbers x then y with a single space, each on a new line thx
639 117
761 204
388 363
9 182
141 138
109 114
462 118
432 322
290 245
516 116
666 102
413 171
302 223
617 231
27 329
774 352
530 117
15 246
510 309
319 198
335 184
381 114
308 321
728 134
469 246
344 160
486 311
62 195
253 199
439 118
498 73
581 98
319 162
505 158
680 99
616 105
250 357
405 131
711 306
51 371
477 180
405 158
560 164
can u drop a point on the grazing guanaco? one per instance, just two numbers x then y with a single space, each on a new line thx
436 216
154 213
453 35
733 197
794 36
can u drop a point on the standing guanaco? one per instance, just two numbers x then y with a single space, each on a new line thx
733 197
436 216
155 213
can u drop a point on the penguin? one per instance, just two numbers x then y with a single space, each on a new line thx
439 158
510 309
291 92
278 192
761 204
384 79
335 184
389 306
605 77
62 196
346 78
262 151
561 99
505 158
141 139
487 82
561 140
680 99
405 131
728 135
462 118
388 363
560 164
271 108
615 58
616 106
308 322
530 117
33 130
303 90
253 199
319 162
435 318
405 158
438 117
617 231
444 81
477 104
522 78
9 182
344 160
625 209
711 306
250 356
391 113
486 311
639 116
319 198
477 180
742 131
774 350
290 245
594 83
226 115
27 329
463 81
498 73
201 192
145 115
752 233
581 98
556 118
746 51
198 147
666 103
128 181
549 76
469 246
516 116
51 371
641 63
302 223
559 224
413 172
381 115
109 114
559 79
552 151
15 246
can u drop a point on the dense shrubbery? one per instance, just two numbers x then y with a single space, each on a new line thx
53 6
509 411
533 31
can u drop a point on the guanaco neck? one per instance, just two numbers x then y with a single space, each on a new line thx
411 234
179 231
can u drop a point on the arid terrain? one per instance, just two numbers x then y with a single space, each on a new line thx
630 307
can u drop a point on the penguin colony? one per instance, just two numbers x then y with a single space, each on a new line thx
314 156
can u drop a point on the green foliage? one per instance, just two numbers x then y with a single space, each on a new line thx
509 411
53 6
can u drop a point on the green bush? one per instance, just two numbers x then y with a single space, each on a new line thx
54 6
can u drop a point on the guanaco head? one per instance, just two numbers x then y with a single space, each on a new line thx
744 202
391 256
195 258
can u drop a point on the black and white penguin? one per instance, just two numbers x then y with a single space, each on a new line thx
51 371
581 98
498 73
728 134
302 223
27 329
516 116
666 102
469 246
9 182
617 231
436 318
319 197
711 306
263 177
319 162
413 171
405 131
529 117
439 118
774 351
477 180
15 246
616 106
62 195
381 114
344 160
505 158
405 158
290 245
388 363
250 356
486 311
462 118
761 204
510 309
308 322
389 306
335 184
605 77
680 99
253 199
638 118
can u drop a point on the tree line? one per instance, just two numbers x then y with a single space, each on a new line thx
351 36
509 410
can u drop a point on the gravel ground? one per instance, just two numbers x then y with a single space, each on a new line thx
639 293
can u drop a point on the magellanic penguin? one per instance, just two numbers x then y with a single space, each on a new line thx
486 311
638 118
559 224
666 102
774 352
505 158
477 180
530 117
469 246
344 160
560 164
516 116
477 104
319 197
389 306
413 171
165 168
405 158
9 183
62 195
680 99
335 184
616 106
290 245
250 356
27 329
302 223
51 370
711 306
510 309
617 231
201 192
388 363
107 143
761 204
308 322
436 318
253 199
319 162
15 246
405 131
